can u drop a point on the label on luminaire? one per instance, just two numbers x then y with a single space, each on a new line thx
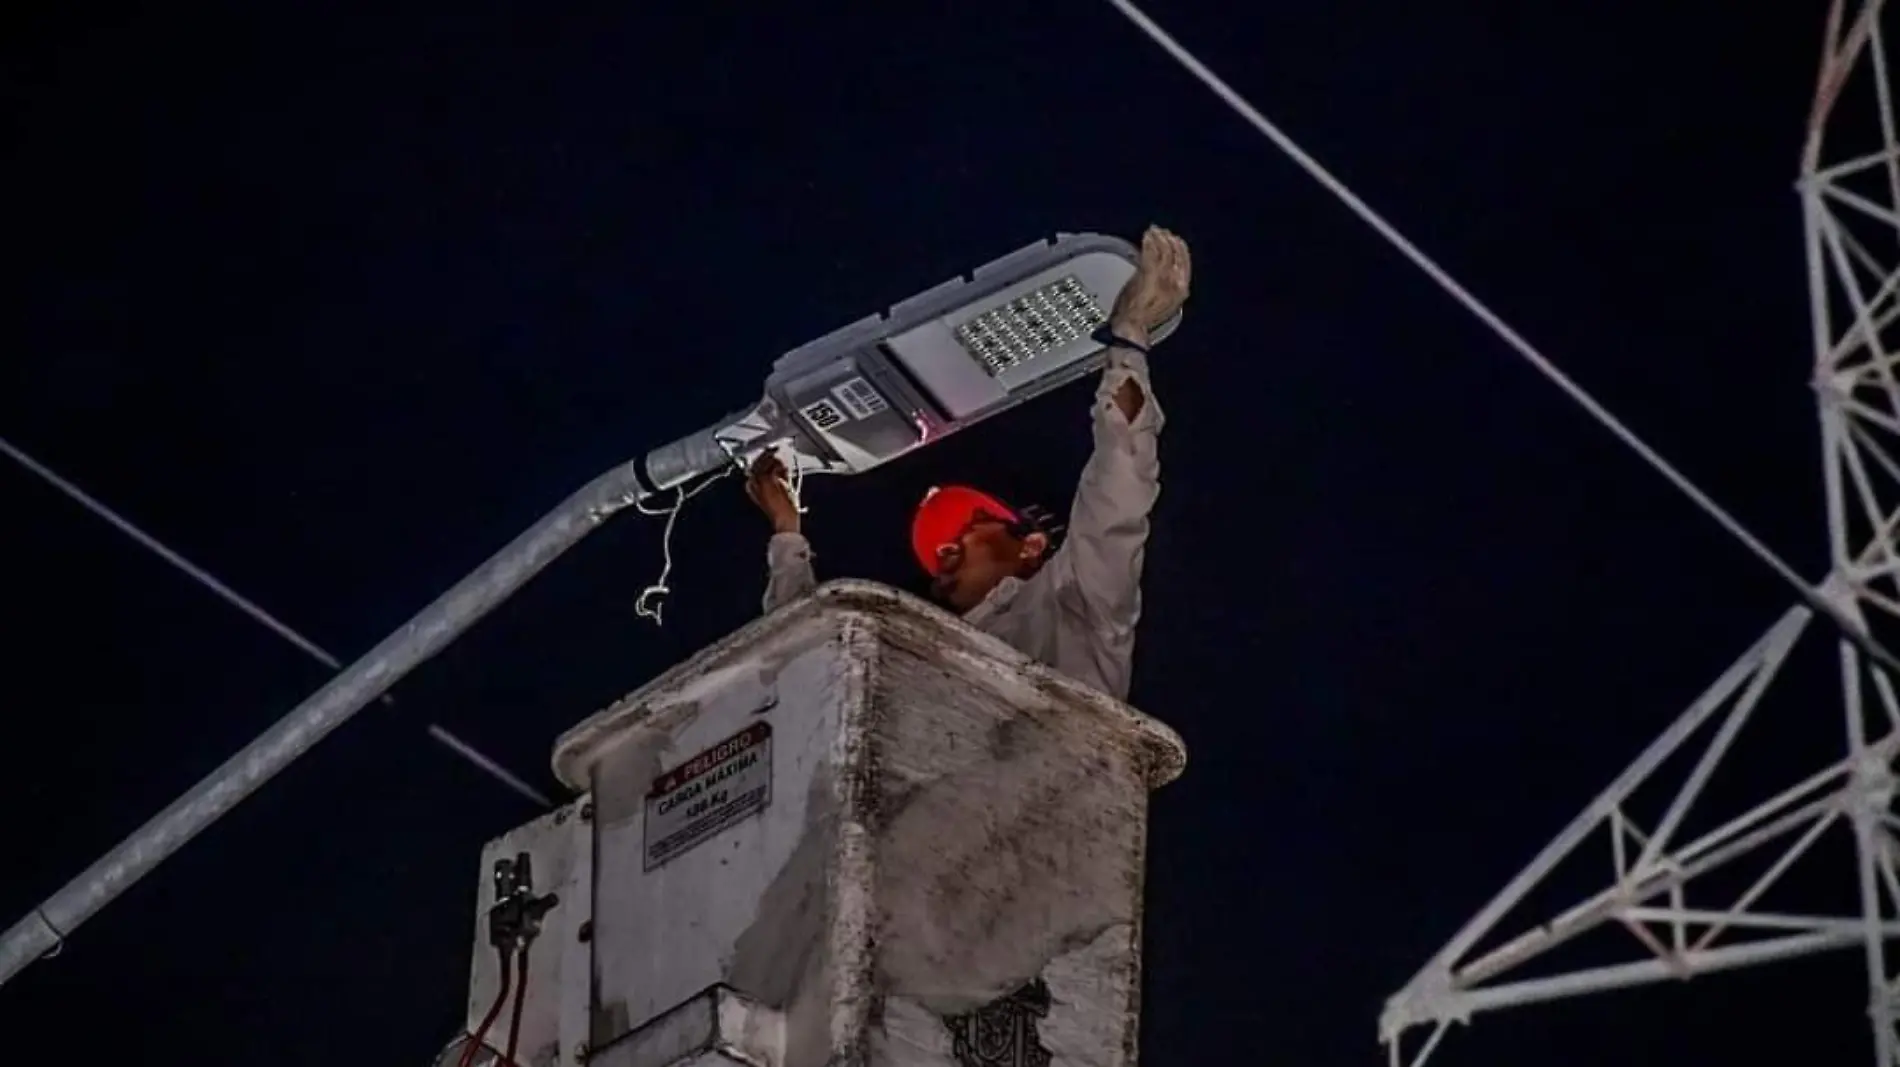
694 801
859 397
853 399
822 413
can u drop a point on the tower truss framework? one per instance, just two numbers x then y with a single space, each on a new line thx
1689 891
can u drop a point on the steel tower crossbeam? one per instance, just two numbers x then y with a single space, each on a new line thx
1850 197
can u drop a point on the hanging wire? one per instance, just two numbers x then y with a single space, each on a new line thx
795 485
477 1040
1813 597
647 606
521 1002
269 621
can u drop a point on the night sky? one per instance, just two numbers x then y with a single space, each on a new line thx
335 301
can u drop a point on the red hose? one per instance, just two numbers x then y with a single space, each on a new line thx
501 997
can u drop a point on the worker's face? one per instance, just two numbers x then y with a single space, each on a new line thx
980 558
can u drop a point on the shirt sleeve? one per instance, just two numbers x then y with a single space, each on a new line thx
788 570
1099 565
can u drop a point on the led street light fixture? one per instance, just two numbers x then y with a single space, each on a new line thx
945 359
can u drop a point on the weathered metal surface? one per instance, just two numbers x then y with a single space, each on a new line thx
948 824
1012 835
746 906
1166 756
1004 1032
717 1028
558 846
573 924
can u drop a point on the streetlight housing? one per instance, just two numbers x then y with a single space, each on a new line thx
945 359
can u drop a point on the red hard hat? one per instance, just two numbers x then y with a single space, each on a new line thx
943 516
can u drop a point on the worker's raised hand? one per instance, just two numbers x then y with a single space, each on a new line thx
1158 289
765 483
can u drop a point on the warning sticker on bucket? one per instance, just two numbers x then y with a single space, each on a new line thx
706 794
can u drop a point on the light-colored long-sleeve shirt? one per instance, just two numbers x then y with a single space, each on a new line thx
1078 613
788 570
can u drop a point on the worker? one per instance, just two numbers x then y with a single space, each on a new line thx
997 565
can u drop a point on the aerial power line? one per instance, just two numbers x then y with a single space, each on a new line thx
1810 594
248 607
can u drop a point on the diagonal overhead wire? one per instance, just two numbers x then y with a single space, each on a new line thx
236 600
1813 597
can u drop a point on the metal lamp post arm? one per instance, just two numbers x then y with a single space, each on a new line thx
432 629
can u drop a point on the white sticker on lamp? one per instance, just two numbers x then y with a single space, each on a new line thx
860 398
822 414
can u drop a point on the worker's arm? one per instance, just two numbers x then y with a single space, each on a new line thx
788 555
788 570
1099 566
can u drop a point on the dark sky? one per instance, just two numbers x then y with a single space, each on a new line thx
335 300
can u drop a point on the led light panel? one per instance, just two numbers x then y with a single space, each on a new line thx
1032 324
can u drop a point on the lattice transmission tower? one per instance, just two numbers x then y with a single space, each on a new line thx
1692 891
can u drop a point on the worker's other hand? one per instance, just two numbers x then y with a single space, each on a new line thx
765 483
1158 289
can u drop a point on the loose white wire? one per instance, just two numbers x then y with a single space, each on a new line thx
230 596
646 606
795 486
1472 303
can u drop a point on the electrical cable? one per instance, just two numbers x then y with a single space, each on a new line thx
494 1010
521 1000
197 573
1813 597
265 618
645 606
